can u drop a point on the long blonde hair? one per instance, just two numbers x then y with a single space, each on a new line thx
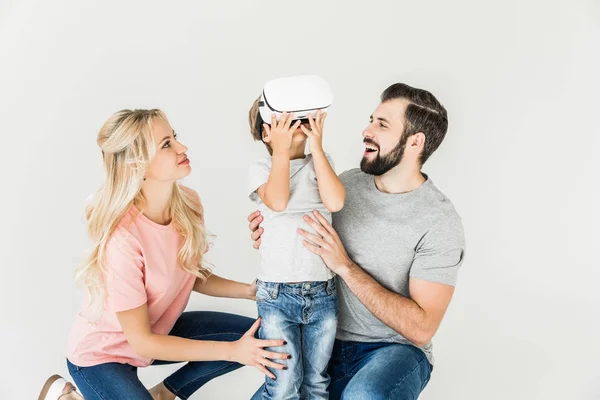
128 146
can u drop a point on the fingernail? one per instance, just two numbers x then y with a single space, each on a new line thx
289 356
284 342
284 367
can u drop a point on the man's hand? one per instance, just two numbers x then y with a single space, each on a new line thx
255 219
326 244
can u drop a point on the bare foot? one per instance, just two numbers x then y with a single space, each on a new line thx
160 392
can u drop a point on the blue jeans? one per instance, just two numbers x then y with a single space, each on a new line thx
377 371
304 315
120 381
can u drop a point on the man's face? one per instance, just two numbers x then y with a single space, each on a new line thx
384 139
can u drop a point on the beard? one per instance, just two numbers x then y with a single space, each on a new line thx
382 164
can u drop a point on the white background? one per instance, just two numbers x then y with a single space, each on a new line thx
519 80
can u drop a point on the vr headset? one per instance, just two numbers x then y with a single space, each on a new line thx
302 95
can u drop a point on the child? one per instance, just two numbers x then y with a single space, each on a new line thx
296 295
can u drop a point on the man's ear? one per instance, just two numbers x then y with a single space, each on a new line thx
417 141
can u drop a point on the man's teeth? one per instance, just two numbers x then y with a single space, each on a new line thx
371 148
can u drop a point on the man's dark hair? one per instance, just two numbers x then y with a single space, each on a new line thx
423 114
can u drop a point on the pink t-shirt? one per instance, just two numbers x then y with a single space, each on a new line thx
142 267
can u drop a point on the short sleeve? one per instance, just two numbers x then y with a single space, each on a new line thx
440 255
258 175
124 278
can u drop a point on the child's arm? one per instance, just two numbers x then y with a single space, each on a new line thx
276 192
331 188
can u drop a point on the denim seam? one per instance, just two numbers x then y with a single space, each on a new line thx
90 385
406 376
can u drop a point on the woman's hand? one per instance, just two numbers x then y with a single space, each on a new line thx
252 291
249 350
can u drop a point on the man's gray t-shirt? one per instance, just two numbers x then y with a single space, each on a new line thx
394 237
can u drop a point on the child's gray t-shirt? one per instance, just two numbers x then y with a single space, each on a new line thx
283 256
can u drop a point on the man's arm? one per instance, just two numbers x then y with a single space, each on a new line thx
417 318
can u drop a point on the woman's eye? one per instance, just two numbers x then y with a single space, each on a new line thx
167 144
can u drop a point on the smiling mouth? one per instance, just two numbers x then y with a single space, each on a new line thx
370 148
184 160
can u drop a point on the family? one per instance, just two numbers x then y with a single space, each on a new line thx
356 274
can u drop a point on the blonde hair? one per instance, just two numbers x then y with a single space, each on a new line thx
128 146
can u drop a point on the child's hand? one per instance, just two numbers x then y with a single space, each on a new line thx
279 134
315 134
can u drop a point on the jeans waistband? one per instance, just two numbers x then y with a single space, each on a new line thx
304 288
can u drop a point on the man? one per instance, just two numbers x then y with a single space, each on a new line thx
396 248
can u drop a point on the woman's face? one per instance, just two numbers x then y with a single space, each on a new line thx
170 162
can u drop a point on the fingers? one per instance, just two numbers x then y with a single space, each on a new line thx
253 328
271 343
322 121
317 227
312 238
255 223
271 364
324 222
315 249
295 126
256 244
288 120
253 215
307 132
257 234
273 120
275 356
265 371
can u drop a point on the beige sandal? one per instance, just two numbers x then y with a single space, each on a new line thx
53 388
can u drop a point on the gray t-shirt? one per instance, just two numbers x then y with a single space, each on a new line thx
393 237
283 256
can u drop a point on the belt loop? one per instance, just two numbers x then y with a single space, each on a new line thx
330 286
275 293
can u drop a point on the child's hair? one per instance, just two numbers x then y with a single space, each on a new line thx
128 146
256 127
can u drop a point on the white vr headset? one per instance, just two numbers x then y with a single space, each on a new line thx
302 95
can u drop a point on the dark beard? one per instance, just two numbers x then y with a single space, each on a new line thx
380 165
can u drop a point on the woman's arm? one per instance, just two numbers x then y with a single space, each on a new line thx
247 350
220 287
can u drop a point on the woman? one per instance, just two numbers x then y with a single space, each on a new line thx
148 244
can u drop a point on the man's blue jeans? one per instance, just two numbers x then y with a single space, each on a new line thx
375 371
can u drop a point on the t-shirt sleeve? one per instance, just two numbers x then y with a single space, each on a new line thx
258 175
124 278
440 255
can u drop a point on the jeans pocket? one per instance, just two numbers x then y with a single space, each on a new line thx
262 293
